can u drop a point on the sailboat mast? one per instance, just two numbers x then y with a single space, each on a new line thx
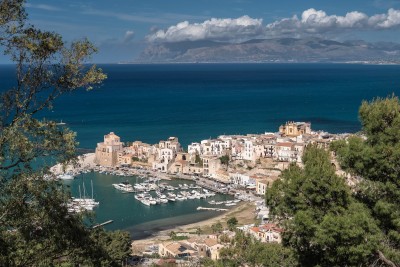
91 182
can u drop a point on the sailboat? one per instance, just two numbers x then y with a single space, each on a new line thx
81 204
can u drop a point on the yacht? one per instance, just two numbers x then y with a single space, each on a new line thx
66 176
124 186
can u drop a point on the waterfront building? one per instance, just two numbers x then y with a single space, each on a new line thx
195 148
241 178
125 159
181 160
167 151
293 129
213 147
211 165
140 150
107 152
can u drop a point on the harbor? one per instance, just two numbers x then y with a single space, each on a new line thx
128 213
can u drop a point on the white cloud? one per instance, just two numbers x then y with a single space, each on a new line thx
214 29
385 21
43 7
129 35
317 21
311 22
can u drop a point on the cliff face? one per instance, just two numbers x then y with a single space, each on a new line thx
272 50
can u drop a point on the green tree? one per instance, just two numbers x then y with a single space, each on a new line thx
35 226
198 160
232 222
323 224
246 251
224 160
375 160
172 235
217 227
199 231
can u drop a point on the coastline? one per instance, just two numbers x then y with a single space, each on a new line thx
244 213
85 163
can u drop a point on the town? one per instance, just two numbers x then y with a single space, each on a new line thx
251 161
234 164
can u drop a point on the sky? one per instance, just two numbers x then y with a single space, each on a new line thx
121 29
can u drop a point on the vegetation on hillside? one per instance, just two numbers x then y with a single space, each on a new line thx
35 226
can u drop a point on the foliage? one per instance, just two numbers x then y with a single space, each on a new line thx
199 231
232 222
247 251
323 223
376 161
217 227
172 234
224 160
35 226
135 159
198 160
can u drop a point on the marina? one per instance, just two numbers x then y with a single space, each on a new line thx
138 217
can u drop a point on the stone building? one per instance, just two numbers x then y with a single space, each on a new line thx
293 129
107 151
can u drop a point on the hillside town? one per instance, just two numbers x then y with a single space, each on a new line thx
238 163
250 161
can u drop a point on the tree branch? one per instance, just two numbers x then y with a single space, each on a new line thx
385 260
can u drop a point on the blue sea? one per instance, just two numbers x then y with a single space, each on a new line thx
199 101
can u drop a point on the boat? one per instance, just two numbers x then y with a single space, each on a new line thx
60 123
124 186
66 176
146 202
80 204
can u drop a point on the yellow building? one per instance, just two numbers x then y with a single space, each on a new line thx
107 151
293 129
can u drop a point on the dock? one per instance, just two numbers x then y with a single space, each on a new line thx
102 224
216 209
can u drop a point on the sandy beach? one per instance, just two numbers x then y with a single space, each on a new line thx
244 213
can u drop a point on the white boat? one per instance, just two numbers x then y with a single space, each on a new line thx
60 123
65 176
124 186
172 199
179 197
146 202
139 197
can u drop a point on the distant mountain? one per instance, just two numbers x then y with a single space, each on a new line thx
272 50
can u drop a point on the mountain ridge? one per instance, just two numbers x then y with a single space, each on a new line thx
271 50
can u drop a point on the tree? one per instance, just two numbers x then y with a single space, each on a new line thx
375 160
323 223
217 227
224 160
35 226
245 251
232 222
199 231
172 235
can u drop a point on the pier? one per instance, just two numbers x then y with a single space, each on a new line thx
102 224
216 209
